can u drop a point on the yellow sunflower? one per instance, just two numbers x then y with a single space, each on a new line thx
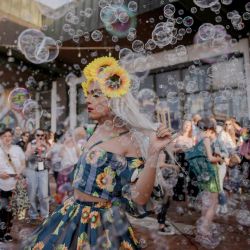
85 85
61 247
82 242
96 66
94 219
85 215
105 180
66 206
136 163
100 180
125 246
114 81
39 246
105 204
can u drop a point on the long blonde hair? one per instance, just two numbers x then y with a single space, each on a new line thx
231 131
127 109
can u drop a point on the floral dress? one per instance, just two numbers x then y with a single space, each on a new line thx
88 225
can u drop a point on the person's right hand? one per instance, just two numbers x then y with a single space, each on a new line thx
4 176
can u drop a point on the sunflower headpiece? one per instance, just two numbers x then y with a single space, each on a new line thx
114 81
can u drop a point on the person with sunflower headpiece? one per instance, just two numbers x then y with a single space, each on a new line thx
116 170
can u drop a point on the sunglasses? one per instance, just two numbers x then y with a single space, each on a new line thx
40 135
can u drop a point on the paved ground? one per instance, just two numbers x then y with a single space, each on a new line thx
235 236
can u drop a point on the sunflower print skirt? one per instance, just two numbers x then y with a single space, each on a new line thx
78 225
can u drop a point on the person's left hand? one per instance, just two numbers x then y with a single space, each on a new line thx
160 139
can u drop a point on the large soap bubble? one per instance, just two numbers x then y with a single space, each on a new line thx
118 19
47 50
205 3
17 98
37 47
31 109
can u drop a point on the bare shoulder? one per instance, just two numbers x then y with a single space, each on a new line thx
131 145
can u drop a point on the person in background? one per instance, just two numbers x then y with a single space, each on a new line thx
182 143
168 175
69 153
23 142
80 137
55 156
221 150
12 164
196 133
17 135
230 140
37 176
245 154
209 184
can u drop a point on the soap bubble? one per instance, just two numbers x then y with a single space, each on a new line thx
188 21
37 47
47 50
206 31
88 12
150 45
108 15
132 6
146 94
96 35
247 6
118 19
226 2
138 46
31 109
169 10
17 98
29 37
205 3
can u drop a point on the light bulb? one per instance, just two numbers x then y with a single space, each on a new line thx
9 53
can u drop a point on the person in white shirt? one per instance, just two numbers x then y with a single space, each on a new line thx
12 164
69 153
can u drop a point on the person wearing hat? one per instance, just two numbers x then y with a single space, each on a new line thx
12 164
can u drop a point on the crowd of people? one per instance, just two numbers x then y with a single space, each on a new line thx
226 147
212 162
35 156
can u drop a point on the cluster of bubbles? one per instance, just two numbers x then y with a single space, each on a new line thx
36 47
214 37
118 18
243 217
73 20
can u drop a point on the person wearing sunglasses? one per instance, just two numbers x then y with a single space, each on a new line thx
37 176
12 164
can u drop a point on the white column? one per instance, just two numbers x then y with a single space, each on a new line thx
38 114
53 106
73 81
245 51
72 106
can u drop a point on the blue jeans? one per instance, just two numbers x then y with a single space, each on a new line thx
38 182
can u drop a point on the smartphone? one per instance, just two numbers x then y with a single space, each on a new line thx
12 175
